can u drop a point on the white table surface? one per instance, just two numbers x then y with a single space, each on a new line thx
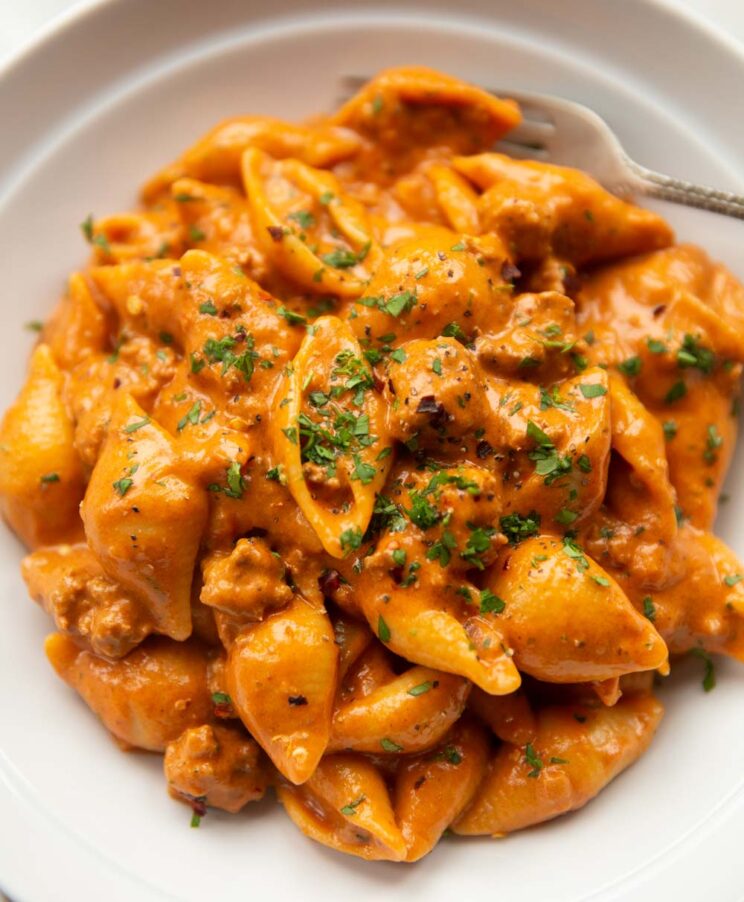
21 20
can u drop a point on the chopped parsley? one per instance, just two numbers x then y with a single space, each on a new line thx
304 218
351 539
713 443
423 687
235 481
386 515
383 634
86 227
123 485
363 472
400 303
565 516
490 603
451 754
421 512
709 676
342 258
389 746
576 553
655 346
532 760
649 608
191 417
548 462
517 527
453 330
350 809
592 390
223 351
693 354
553 399
631 367
138 424
442 549
479 542
677 391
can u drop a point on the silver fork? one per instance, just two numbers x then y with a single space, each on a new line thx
560 131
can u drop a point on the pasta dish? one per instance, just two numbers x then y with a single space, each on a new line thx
374 467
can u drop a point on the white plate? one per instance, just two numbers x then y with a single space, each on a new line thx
101 102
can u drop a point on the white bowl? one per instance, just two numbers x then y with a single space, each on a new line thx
102 101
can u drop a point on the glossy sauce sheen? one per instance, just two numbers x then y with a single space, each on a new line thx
373 465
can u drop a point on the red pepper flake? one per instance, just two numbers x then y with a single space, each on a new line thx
572 284
510 272
436 410
378 382
199 805
429 404
276 232
329 582
297 700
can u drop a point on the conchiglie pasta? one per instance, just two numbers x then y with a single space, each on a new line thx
281 676
577 751
146 699
330 435
365 463
41 477
143 517
566 619
346 805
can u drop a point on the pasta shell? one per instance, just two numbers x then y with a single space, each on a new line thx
576 753
331 364
432 791
146 699
345 805
41 479
586 223
566 619
281 677
340 269
144 516
410 713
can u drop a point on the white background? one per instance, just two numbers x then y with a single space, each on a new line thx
21 20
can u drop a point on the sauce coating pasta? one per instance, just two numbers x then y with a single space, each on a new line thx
368 464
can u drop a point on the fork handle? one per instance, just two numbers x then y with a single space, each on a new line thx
678 191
